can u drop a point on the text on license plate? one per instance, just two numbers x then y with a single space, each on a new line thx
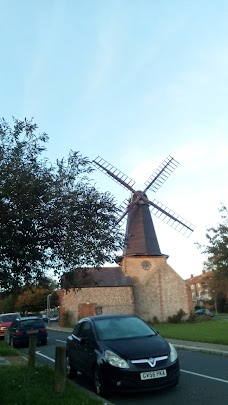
153 374
32 331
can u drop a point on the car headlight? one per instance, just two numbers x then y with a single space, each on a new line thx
173 353
115 360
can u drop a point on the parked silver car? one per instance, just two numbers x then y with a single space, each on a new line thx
203 311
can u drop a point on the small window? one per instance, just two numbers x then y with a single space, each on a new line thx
29 323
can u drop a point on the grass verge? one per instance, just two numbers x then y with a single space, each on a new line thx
207 332
25 386
22 385
6 350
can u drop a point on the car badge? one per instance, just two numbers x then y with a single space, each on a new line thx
152 362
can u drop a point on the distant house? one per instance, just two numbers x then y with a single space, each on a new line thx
200 293
143 284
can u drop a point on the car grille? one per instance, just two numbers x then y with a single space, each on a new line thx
152 362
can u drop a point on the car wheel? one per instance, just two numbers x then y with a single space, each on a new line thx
98 381
71 371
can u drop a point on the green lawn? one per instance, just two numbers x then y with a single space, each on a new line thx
213 331
22 385
221 315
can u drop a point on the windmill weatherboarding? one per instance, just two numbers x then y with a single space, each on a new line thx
140 236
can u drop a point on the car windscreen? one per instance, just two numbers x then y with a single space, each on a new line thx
122 328
31 323
8 318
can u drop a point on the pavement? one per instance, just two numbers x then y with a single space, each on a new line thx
179 345
211 348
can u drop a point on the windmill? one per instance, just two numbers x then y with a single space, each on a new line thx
140 238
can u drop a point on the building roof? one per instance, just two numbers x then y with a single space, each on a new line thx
141 239
93 277
199 278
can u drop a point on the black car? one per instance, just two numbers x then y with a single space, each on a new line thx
121 352
23 327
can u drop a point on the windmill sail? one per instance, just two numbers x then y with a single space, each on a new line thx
116 174
138 212
162 173
171 218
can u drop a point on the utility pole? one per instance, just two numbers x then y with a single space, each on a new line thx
48 308
215 302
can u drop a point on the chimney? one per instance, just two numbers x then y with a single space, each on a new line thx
191 275
204 271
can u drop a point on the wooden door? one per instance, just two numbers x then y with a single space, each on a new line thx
85 310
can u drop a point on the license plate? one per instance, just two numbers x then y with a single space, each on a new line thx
32 331
153 374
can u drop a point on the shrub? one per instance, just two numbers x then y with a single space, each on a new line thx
154 321
204 317
67 318
178 317
193 317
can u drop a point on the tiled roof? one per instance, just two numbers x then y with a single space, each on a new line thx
93 277
198 279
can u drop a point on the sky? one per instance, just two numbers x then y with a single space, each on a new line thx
132 81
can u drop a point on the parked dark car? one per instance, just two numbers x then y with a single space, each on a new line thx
203 311
22 328
121 352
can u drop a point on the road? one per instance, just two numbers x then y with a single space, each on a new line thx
204 378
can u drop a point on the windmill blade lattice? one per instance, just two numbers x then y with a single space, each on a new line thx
123 206
171 218
154 182
114 173
161 174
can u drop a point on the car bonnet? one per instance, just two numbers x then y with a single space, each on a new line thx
136 348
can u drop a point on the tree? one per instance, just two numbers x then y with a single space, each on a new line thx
47 282
217 248
217 289
51 216
217 260
7 303
34 299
